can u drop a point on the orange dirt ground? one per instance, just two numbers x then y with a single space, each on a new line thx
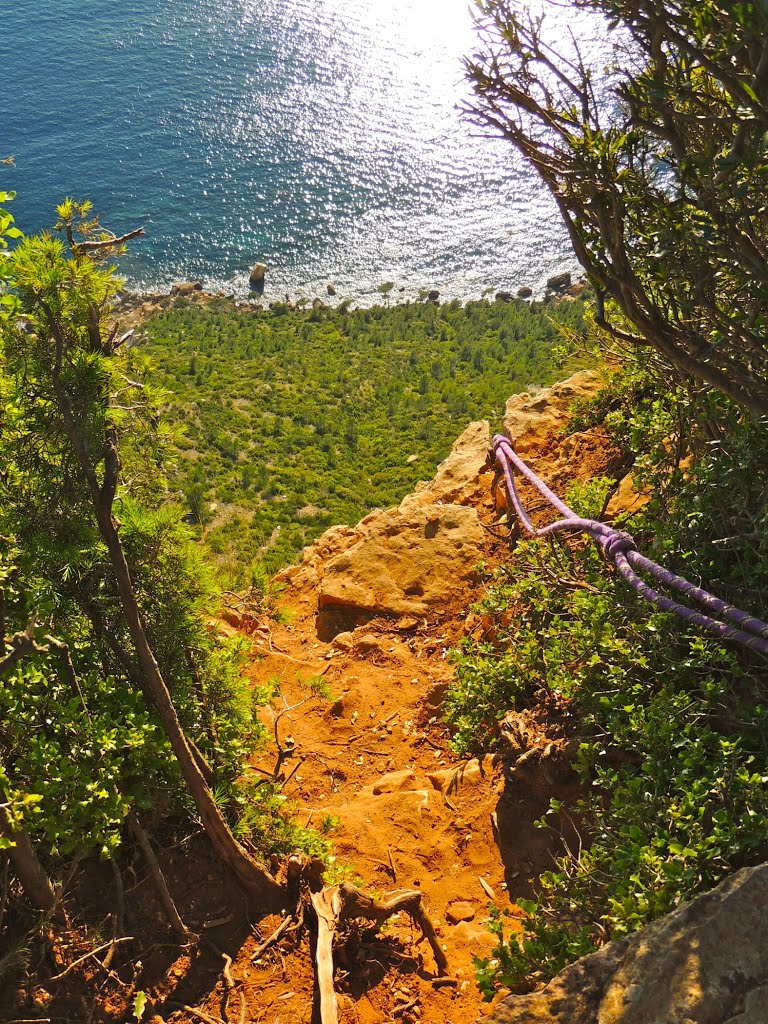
449 829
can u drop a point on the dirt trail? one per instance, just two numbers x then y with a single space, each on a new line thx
370 763
373 611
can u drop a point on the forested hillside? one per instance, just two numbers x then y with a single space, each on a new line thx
292 421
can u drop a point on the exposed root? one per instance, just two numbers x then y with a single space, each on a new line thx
337 904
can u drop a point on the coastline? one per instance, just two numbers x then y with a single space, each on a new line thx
136 306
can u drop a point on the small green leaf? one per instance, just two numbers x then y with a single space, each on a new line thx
139 1005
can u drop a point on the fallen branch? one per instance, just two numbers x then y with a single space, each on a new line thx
356 904
166 900
93 952
328 907
202 1016
339 903
272 939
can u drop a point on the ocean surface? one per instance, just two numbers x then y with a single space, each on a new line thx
321 137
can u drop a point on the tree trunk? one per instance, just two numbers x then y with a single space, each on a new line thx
252 875
26 865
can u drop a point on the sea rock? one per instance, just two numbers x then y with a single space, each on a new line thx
433 296
319 304
184 288
559 282
702 964
525 292
406 562
256 276
503 296
330 290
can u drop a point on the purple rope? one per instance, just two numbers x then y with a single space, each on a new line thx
620 549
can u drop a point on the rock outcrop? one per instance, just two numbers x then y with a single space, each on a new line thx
415 559
704 963
529 419
405 561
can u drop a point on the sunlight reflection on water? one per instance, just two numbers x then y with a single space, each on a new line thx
320 136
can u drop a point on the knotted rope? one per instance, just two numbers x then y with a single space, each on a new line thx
621 550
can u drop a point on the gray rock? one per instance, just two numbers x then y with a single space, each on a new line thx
704 963
256 277
559 282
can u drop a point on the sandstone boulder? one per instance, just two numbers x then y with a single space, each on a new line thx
405 562
704 963
460 911
459 477
525 292
626 500
395 782
528 419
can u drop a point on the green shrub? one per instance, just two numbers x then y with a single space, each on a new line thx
670 724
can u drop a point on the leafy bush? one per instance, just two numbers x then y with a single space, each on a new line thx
670 725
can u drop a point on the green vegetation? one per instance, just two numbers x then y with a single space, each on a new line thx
117 702
670 725
662 184
290 422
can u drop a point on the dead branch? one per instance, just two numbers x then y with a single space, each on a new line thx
356 904
339 903
108 243
117 917
93 952
166 900
328 907
68 668
229 981
281 929
21 644
206 1018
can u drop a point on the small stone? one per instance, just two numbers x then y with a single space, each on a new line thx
460 911
394 782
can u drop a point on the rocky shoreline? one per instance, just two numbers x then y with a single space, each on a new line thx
136 307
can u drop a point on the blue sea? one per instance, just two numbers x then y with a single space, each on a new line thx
321 137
